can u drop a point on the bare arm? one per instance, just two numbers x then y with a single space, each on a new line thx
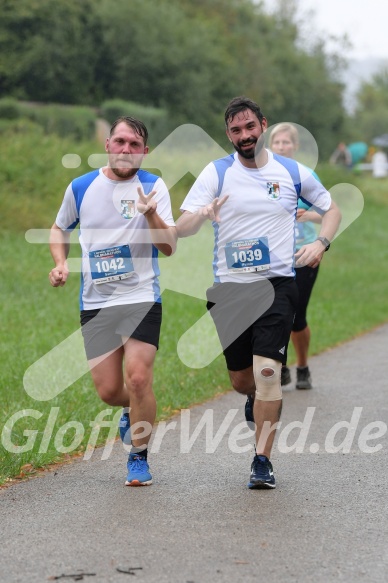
163 236
312 253
190 223
59 249
303 215
330 222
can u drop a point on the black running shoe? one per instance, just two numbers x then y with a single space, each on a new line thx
249 409
285 376
261 473
303 378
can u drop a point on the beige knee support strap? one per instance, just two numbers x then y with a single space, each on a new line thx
267 378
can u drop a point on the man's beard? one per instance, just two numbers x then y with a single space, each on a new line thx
119 170
257 146
124 172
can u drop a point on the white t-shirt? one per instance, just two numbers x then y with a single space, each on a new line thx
119 261
255 237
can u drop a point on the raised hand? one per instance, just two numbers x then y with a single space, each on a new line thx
145 204
212 211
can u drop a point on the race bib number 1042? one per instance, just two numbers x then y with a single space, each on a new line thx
111 264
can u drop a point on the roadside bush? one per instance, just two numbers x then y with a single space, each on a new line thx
18 126
78 123
9 108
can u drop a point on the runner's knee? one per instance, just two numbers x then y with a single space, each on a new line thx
242 383
267 378
137 383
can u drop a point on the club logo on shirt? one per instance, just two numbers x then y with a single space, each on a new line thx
128 209
273 190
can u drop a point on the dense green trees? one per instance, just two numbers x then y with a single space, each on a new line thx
52 51
188 58
371 114
166 59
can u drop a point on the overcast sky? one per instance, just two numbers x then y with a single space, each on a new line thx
364 21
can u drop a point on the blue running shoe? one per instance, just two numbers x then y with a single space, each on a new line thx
249 409
261 473
138 471
124 428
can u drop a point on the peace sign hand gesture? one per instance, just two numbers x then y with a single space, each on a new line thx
145 204
212 210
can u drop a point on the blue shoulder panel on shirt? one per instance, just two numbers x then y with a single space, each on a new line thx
221 166
147 180
80 186
292 168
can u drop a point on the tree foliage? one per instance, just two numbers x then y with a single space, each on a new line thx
371 116
188 58
51 51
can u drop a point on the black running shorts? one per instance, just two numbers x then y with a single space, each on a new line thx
253 318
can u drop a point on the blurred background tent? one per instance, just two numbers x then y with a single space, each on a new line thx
358 151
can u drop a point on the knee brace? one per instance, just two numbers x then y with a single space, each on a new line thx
267 378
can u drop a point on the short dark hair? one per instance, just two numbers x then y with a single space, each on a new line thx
239 104
137 125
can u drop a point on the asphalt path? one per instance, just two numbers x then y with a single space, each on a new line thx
198 523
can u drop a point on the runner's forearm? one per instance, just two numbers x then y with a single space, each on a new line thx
59 245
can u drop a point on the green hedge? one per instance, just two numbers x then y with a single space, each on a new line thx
74 122
78 123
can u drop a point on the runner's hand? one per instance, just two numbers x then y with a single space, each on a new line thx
58 275
145 204
310 255
212 211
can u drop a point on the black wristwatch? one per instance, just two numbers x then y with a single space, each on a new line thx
325 242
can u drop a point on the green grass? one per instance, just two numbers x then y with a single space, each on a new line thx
33 178
350 296
349 299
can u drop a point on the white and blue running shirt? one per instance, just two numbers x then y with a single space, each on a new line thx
119 261
255 237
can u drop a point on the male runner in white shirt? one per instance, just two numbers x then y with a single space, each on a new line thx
251 197
124 215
